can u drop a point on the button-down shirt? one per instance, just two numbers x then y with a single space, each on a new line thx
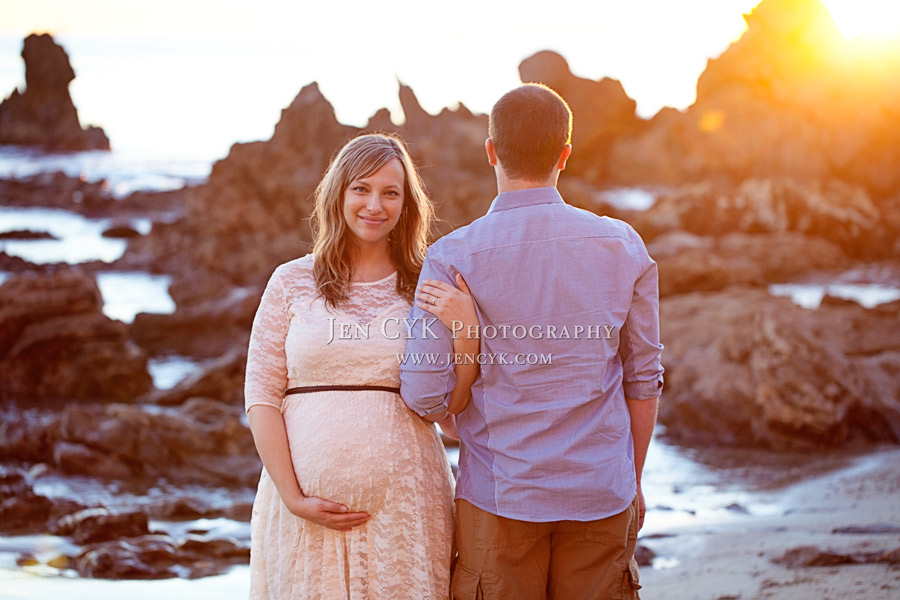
568 306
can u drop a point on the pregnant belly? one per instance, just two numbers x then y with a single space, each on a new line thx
341 444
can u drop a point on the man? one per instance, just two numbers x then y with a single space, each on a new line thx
554 437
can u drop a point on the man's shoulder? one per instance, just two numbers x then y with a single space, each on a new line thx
602 224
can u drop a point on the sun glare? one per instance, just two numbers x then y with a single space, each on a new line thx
878 19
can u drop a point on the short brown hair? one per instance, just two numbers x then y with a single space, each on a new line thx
529 127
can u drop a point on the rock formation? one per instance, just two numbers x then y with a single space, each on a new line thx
791 98
744 368
55 343
43 114
838 212
253 213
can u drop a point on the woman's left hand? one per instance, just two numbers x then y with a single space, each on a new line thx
454 307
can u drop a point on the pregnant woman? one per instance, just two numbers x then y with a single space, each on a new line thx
355 497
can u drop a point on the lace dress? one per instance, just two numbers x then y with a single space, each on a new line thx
365 449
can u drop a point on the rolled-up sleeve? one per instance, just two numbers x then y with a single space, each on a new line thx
426 372
266 378
639 345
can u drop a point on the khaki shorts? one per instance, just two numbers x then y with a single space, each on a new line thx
506 559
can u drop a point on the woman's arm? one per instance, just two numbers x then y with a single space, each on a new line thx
264 384
270 437
456 310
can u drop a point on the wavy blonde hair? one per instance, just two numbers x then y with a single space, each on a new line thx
332 246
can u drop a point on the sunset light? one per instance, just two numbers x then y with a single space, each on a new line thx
876 19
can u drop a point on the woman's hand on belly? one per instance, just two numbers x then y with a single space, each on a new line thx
327 513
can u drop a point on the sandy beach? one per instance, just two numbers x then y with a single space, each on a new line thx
734 559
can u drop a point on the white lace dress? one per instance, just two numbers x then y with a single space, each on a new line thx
365 449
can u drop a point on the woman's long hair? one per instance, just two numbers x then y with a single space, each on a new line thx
332 246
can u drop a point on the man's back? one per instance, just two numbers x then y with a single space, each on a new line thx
567 302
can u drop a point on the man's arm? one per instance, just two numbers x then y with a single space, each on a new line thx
643 421
640 351
426 374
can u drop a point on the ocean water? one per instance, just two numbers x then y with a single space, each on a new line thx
124 171
868 284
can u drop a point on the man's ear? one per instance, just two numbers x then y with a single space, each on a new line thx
491 153
563 157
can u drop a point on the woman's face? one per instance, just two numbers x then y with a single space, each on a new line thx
372 204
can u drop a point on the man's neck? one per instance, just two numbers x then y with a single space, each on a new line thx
509 184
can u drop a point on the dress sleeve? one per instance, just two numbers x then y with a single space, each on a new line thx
266 377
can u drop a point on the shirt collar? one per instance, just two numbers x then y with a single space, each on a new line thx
526 197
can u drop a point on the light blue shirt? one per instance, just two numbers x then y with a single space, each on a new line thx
568 303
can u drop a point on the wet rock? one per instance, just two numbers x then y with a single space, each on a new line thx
840 213
12 482
122 230
28 436
190 508
693 263
26 234
737 508
212 328
744 368
23 511
215 548
601 110
644 556
145 557
876 528
811 556
55 342
43 114
160 556
76 459
100 524
202 442
222 380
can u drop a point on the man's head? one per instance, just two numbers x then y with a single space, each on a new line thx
529 129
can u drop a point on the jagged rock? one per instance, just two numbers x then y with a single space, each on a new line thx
204 329
601 110
876 528
189 508
449 150
76 459
22 511
44 114
644 556
145 557
121 230
811 556
692 263
221 380
160 556
744 368
791 97
56 343
26 234
203 441
235 232
838 212
93 525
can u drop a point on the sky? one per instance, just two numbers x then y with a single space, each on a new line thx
189 77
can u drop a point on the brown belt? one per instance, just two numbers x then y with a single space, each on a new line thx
309 389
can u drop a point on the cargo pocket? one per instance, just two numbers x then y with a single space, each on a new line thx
631 582
465 585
